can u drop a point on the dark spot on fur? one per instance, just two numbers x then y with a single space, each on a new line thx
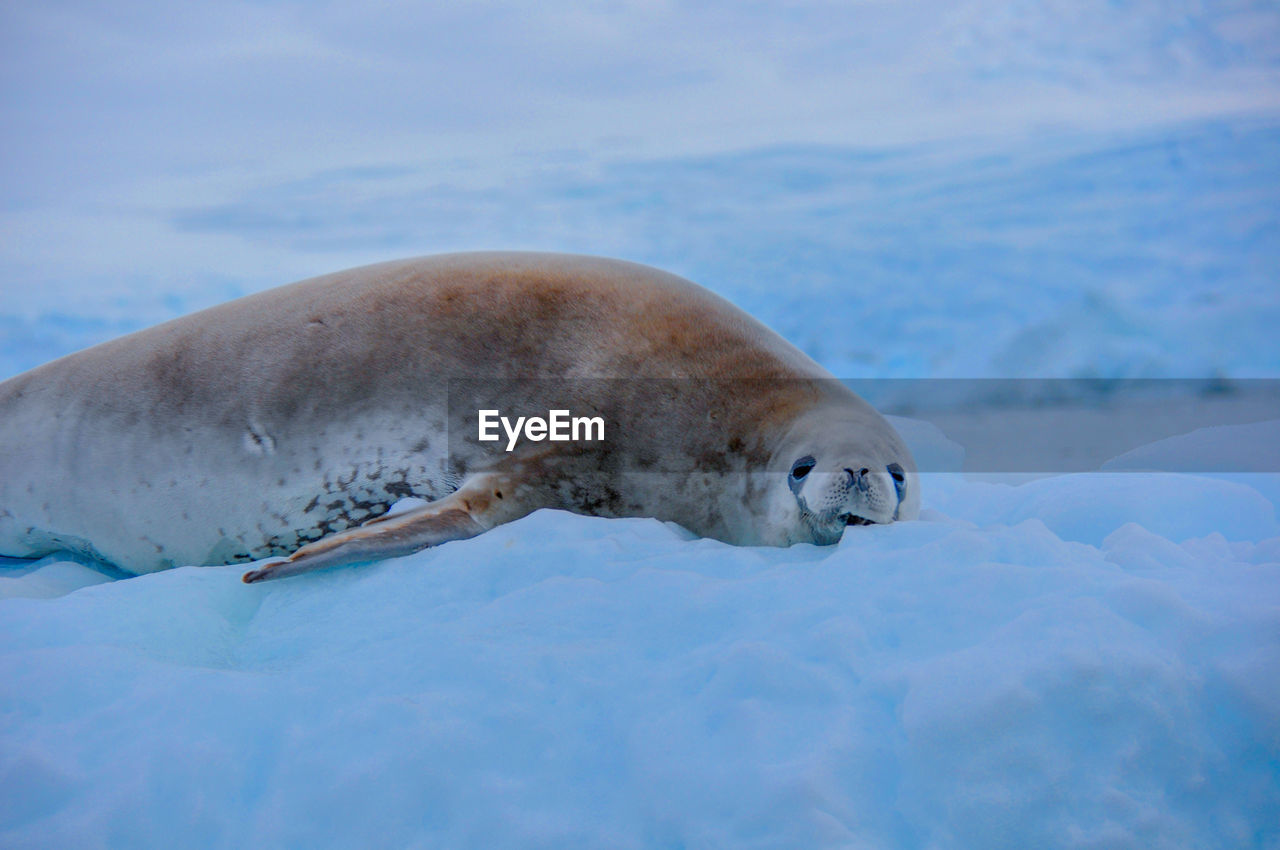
712 461
260 440
398 489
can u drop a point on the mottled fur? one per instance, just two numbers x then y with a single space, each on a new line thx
278 420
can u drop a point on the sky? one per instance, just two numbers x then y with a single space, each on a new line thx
127 127
111 100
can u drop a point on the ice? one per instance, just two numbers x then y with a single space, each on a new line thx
1083 659
1224 448
1089 507
1141 255
46 578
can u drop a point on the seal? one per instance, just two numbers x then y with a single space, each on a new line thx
285 424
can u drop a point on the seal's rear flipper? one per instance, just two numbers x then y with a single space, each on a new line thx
466 513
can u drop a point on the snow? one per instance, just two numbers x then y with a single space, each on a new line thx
1229 448
939 190
1149 254
1088 659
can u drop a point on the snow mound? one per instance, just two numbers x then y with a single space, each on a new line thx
1148 254
979 678
1223 448
1090 506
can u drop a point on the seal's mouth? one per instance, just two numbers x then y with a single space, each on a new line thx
853 519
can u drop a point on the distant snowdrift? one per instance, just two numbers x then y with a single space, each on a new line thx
1106 255
1226 448
571 681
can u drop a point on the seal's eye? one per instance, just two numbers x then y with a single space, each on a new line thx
899 479
799 470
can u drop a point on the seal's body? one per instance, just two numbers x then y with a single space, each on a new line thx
287 422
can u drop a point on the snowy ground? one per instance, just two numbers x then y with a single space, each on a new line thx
940 190
1086 660
1148 254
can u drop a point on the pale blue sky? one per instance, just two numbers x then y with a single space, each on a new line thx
159 157
113 99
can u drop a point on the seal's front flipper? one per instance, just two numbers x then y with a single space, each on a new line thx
401 535
480 504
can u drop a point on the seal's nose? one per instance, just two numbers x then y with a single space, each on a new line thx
857 479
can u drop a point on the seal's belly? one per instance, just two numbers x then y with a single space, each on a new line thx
143 509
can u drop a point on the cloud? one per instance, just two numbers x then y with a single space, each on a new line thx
100 98
151 147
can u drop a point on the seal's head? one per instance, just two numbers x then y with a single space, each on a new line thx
840 471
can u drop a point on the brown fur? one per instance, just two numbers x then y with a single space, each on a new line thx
276 394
